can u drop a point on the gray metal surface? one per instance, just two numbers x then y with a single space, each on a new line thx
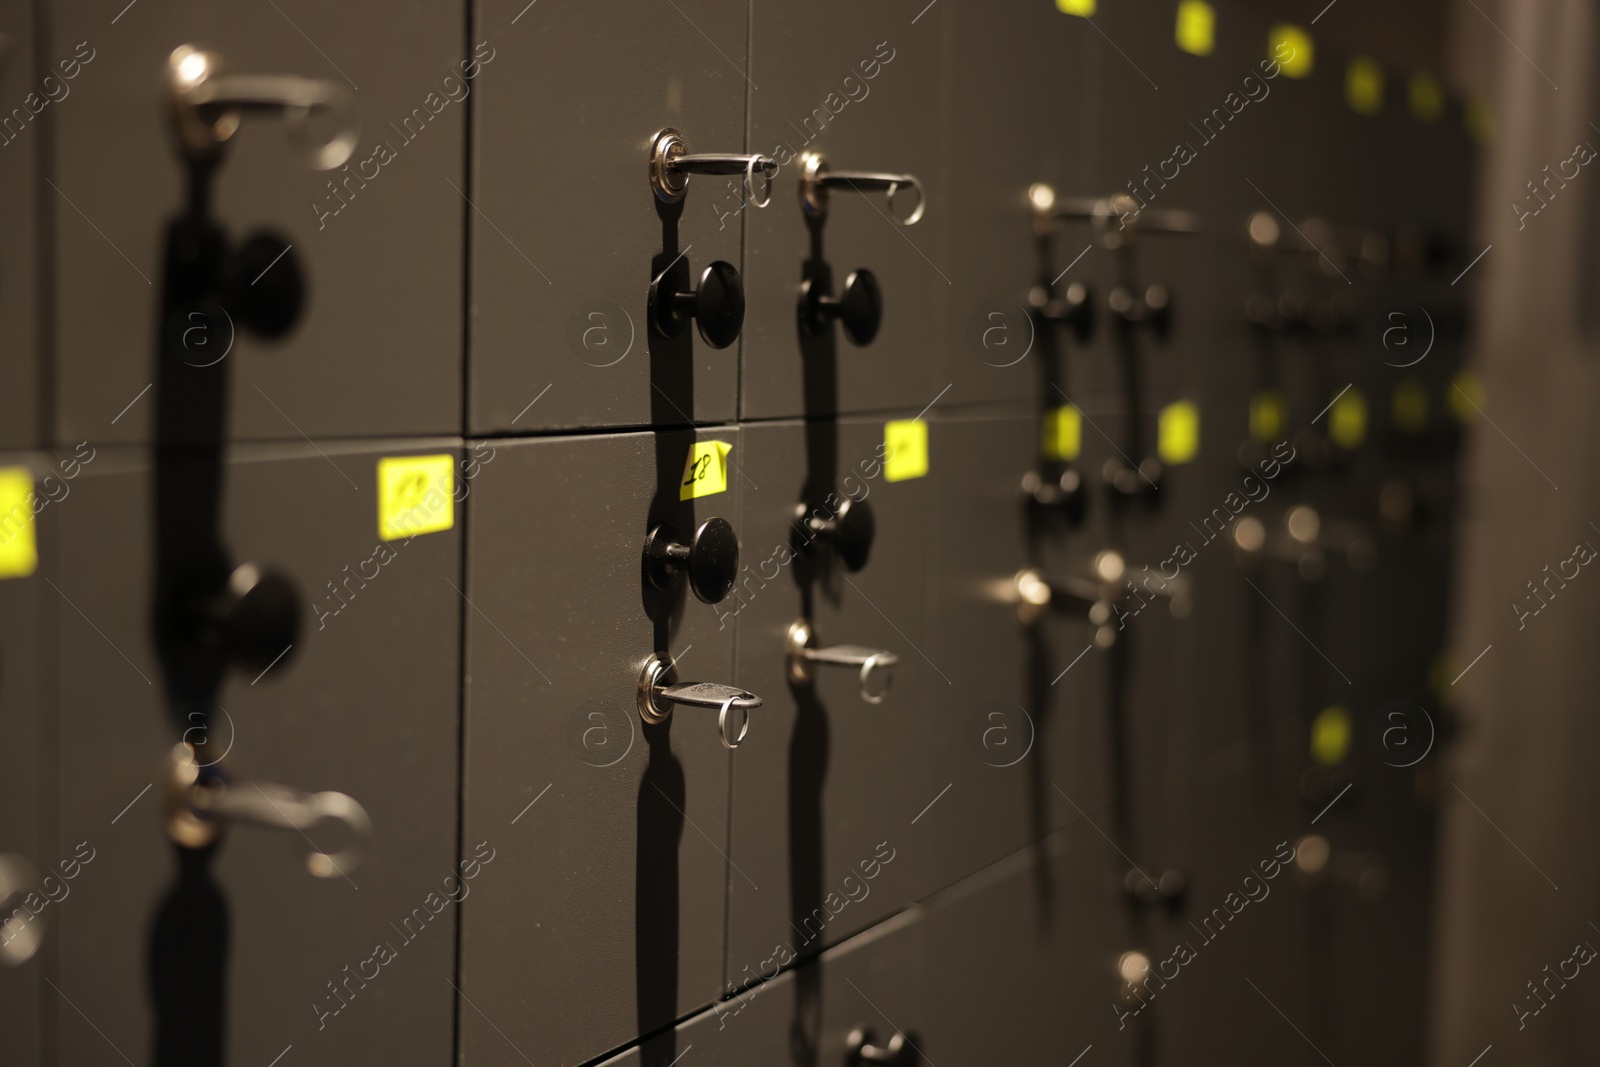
376 352
568 235
606 921
367 704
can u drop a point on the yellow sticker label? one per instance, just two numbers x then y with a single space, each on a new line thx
19 550
1061 434
1330 736
1290 47
1347 420
1363 86
1178 432
1269 415
905 450
1197 27
1426 96
1410 405
1478 119
705 471
416 495
1082 8
1467 396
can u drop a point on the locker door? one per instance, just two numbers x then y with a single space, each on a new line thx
861 86
567 235
821 792
606 919
236 946
28 851
28 98
373 352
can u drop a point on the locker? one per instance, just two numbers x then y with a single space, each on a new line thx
1015 728
861 88
1030 946
237 946
820 795
372 354
1003 145
28 850
754 1027
23 421
608 921
567 235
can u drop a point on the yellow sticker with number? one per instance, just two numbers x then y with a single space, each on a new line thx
1178 432
1426 97
1061 434
19 552
416 495
1290 47
1196 29
905 445
1330 736
1467 396
1269 415
1409 406
1347 419
705 472
1363 86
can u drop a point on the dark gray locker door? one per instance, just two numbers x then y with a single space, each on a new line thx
1232 822
568 234
1011 129
822 788
815 95
754 1028
606 920
366 704
27 925
1018 964
28 99
867 983
377 349
1013 731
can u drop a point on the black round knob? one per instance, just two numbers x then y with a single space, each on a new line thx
259 617
268 286
1074 309
1066 496
717 306
853 531
1153 309
711 558
849 529
859 308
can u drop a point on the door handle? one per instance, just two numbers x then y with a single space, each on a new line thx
203 798
805 655
19 939
208 106
862 1047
